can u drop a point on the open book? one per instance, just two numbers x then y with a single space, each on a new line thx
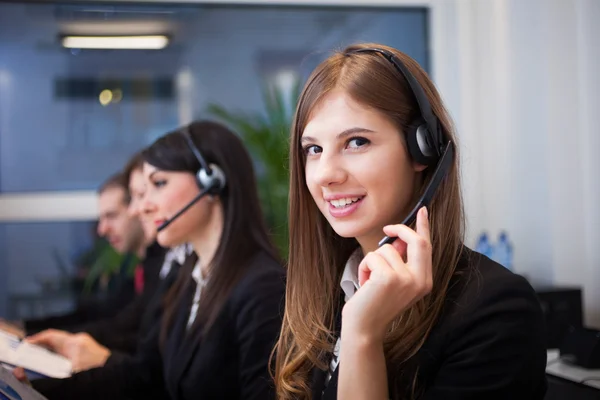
32 358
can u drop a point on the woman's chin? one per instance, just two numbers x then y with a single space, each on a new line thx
349 230
166 240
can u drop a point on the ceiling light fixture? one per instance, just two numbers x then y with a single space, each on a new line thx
145 42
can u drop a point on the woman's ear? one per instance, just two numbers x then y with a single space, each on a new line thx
418 167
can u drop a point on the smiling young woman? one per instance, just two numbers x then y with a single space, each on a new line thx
423 317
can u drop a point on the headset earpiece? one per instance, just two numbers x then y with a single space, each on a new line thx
421 144
215 182
209 177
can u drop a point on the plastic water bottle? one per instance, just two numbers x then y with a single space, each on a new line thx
483 245
503 253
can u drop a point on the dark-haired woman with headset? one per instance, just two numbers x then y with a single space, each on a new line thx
222 316
414 314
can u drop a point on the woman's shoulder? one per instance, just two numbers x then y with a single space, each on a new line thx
485 300
487 303
479 280
261 266
489 341
265 276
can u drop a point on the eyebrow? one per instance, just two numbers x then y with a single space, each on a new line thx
109 214
341 135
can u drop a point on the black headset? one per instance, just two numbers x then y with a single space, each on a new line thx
427 144
210 178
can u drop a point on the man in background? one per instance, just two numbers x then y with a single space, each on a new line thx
125 234
110 341
121 229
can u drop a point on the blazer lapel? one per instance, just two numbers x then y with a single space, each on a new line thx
317 385
331 390
318 382
154 308
319 390
183 343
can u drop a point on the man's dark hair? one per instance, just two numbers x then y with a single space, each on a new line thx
116 181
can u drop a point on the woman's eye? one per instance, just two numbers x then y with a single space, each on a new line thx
357 142
312 150
159 183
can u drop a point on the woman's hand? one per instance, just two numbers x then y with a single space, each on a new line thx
21 376
392 278
80 348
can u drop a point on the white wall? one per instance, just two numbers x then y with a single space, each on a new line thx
588 87
520 77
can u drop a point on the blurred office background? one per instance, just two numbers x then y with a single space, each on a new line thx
518 76
71 117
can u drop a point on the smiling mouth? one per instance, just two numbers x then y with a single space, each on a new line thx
340 204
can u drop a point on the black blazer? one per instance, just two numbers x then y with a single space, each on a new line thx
231 362
489 342
122 332
114 322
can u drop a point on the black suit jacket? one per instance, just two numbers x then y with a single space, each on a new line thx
489 342
122 332
115 321
231 362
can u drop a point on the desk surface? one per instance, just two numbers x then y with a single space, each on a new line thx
573 373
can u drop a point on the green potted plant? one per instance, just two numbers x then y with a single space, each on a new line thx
267 137
102 266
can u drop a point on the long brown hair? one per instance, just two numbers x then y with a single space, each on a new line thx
318 255
244 230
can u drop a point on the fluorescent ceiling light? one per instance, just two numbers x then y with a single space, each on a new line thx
151 42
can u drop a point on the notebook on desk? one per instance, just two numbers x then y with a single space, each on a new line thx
34 359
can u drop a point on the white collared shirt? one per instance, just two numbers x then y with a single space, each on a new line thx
176 254
349 284
200 283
